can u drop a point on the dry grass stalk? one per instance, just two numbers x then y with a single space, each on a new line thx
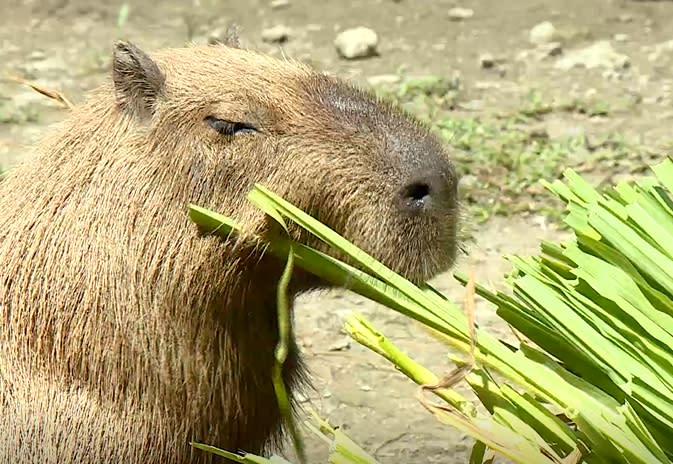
53 94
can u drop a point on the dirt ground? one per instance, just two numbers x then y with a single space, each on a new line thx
65 44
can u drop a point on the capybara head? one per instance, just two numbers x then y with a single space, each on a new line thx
361 166
126 331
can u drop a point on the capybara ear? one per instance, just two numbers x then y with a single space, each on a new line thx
229 38
137 79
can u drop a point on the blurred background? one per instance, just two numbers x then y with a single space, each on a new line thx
519 91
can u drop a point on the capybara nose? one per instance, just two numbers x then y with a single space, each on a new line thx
428 194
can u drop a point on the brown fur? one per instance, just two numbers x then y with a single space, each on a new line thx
125 332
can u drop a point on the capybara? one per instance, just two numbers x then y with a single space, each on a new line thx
128 331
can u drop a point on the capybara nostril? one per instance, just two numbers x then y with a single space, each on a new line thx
415 196
428 194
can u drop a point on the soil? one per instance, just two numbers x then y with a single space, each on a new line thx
65 45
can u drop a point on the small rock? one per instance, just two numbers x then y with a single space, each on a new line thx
215 36
557 128
277 4
600 54
538 132
550 49
226 34
276 34
664 115
468 181
37 55
358 42
666 46
483 85
383 79
542 33
459 14
472 105
340 345
621 37
486 60
541 52
523 55
659 49
366 388
625 18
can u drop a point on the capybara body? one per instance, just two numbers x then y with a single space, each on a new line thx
127 332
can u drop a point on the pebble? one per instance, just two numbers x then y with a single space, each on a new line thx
558 128
276 34
472 105
485 85
652 100
542 33
550 49
37 55
340 345
599 54
459 14
612 75
277 4
523 55
659 50
541 52
223 34
486 60
621 37
469 181
357 42
215 36
664 115
383 79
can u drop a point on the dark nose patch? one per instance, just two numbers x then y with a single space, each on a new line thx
426 194
416 193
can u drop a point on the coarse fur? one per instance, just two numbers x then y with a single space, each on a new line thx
127 332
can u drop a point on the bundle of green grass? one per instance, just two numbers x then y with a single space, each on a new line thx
592 380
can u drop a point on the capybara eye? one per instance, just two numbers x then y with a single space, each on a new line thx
225 127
